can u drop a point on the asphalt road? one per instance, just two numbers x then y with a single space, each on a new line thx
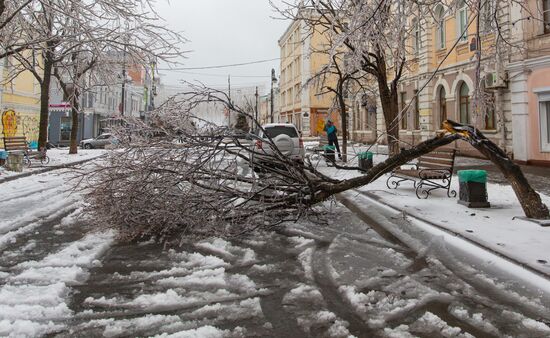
345 275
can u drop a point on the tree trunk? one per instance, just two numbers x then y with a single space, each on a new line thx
528 198
390 108
73 149
45 101
344 118
406 155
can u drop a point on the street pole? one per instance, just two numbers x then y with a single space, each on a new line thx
229 108
273 79
256 112
123 98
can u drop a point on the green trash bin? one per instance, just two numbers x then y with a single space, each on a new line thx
365 160
473 188
329 153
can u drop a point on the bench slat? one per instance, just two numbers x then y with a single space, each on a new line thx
431 161
15 143
440 154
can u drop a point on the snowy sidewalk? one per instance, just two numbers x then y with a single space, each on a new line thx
497 229
59 158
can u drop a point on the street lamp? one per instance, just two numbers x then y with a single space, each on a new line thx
273 80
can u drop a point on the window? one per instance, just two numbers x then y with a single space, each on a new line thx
371 116
416 36
544 110
90 100
487 16
489 118
440 27
464 103
442 106
403 114
65 129
416 111
462 21
546 15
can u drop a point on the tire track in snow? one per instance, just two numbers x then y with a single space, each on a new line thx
36 245
328 289
34 301
31 220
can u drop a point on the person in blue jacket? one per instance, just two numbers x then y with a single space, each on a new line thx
332 135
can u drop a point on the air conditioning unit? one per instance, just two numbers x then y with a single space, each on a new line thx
495 80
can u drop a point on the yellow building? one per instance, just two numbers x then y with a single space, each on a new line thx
301 58
19 104
439 80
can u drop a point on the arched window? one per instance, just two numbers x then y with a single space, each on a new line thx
464 103
462 21
440 27
442 105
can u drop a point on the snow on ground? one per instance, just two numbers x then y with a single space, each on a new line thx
497 228
34 299
26 204
318 319
228 251
57 157
198 285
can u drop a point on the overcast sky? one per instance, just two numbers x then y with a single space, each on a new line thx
225 32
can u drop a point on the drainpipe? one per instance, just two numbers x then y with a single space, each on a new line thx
1 83
502 118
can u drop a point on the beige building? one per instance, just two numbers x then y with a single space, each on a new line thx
300 103
448 94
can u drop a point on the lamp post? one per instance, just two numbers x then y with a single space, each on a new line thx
273 80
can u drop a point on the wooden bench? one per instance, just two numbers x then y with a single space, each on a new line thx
19 143
432 171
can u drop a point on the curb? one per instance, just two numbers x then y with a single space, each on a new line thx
47 169
456 234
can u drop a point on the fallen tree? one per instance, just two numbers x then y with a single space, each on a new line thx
181 175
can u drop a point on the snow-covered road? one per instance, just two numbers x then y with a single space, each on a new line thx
60 276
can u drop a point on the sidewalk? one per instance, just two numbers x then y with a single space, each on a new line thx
496 229
59 158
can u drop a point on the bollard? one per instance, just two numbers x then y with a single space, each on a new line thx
473 188
15 161
365 160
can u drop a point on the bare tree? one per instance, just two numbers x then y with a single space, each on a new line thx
209 183
76 30
383 39
374 35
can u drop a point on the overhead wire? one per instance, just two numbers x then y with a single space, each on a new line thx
221 66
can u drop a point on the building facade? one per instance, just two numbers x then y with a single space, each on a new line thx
529 74
100 106
441 77
300 101
19 104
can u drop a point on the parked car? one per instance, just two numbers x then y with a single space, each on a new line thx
99 142
286 138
